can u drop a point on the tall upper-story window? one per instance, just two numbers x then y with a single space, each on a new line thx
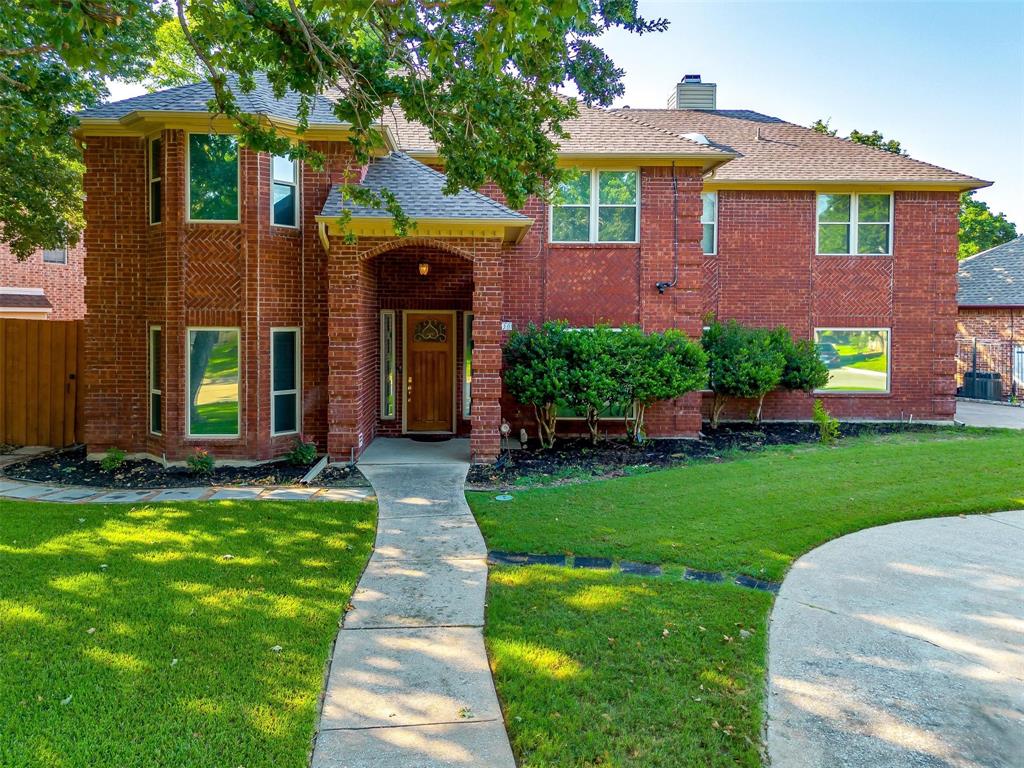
156 161
855 224
597 207
709 222
212 185
284 203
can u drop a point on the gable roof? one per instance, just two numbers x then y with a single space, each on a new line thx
770 150
993 278
196 96
419 191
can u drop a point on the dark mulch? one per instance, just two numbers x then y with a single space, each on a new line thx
342 476
575 459
71 467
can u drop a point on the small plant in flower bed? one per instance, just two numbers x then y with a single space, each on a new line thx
200 462
113 460
828 425
302 452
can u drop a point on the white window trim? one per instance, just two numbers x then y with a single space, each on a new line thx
467 383
188 378
295 189
152 180
595 207
298 382
384 415
62 262
854 206
888 361
188 181
714 224
154 390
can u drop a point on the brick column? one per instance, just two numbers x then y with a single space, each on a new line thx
343 278
680 306
485 442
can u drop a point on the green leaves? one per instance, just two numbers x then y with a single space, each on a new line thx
742 362
980 229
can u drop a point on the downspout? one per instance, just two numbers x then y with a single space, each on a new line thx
662 285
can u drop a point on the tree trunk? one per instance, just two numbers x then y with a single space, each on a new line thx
716 409
760 404
636 428
547 417
592 423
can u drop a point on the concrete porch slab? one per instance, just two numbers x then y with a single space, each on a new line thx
395 677
470 744
404 450
406 491
447 592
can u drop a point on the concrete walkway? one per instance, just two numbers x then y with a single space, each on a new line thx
989 415
410 686
902 646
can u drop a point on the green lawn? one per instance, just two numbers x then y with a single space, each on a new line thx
582 663
144 635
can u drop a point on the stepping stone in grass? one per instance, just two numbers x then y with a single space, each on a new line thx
711 577
506 558
601 563
545 560
639 569
751 583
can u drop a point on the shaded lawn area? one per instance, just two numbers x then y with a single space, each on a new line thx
144 635
585 671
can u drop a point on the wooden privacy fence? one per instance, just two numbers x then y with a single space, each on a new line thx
40 385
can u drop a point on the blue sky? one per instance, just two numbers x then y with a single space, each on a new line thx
945 78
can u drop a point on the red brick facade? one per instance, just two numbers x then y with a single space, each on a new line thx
63 284
992 340
256 277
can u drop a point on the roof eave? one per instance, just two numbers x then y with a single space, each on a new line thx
938 185
511 229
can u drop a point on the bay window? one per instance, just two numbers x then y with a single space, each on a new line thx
213 382
285 365
212 185
284 203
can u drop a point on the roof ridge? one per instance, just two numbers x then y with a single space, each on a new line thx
659 129
989 250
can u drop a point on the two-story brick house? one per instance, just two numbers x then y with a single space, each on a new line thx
227 310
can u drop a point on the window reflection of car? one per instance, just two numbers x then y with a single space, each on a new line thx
828 353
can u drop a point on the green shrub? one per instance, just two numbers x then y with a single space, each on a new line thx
200 462
591 356
113 460
804 371
742 362
537 373
652 367
302 453
828 425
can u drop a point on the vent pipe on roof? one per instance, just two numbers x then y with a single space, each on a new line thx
691 93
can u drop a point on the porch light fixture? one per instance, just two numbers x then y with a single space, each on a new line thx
424 268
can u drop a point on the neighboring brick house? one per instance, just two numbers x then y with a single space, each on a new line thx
48 285
990 325
228 310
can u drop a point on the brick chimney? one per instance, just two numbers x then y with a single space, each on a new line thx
691 93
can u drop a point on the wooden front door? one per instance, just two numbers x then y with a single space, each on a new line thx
430 371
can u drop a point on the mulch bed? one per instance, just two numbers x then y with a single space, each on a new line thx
575 459
71 467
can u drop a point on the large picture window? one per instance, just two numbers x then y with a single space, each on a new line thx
212 177
155 377
285 187
857 358
855 224
709 223
596 207
155 181
467 364
285 362
387 364
213 377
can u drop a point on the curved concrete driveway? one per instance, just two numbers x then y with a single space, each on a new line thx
902 646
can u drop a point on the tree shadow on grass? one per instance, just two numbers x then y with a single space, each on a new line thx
149 635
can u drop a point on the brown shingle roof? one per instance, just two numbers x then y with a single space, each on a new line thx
772 150
24 301
594 132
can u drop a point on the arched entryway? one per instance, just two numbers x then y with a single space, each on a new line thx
414 341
